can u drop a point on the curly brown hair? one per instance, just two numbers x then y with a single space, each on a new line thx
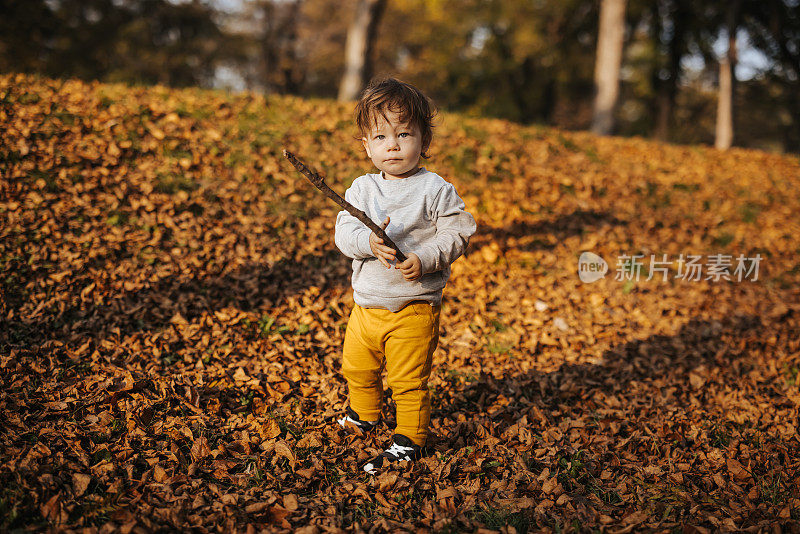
391 94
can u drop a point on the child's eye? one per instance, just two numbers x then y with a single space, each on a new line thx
404 133
379 136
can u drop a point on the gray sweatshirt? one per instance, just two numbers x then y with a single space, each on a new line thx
427 217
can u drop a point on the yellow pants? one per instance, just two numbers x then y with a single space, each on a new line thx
405 342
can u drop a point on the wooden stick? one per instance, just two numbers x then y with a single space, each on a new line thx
320 184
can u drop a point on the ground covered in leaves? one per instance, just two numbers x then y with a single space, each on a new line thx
173 309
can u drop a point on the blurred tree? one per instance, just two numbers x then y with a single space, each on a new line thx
670 21
607 65
523 60
279 46
26 29
775 30
723 138
138 41
520 60
681 30
358 49
290 46
711 22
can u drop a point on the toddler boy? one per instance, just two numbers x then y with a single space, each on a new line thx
395 319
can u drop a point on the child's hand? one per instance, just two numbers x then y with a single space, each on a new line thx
411 268
382 252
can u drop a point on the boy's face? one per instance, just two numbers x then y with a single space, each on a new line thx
394 148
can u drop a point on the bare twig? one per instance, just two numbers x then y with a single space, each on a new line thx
320 184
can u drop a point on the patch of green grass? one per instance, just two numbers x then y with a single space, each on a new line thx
101 454
210 196
634 272
17 511
567 143
497 324
724 239
267 326
494 346
172 183
592 155
752 438
498 348
567 189
245 399
51 185
332 476
654 198
462 159
175 153
749 211
456 375
472 132
255 472
287 427
28 98
361 513
65 117
661 201
680 186
196 113
97 513
105 102
572 472
234 158
791 374
772 488
495 517
607 496
719 435
117 218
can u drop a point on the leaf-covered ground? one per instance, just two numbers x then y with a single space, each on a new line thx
173 310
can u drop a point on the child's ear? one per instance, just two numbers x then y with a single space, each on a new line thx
366 146
426 147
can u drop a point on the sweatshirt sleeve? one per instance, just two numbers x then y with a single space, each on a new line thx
350 234
454 227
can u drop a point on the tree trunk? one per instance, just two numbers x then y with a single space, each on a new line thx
279 46
667 89
607 64
358 48
727 85
791 131
290 83
724 133
789 60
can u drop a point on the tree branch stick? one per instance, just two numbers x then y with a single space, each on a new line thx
320 184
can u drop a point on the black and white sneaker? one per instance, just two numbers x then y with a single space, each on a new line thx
402 449
352 418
